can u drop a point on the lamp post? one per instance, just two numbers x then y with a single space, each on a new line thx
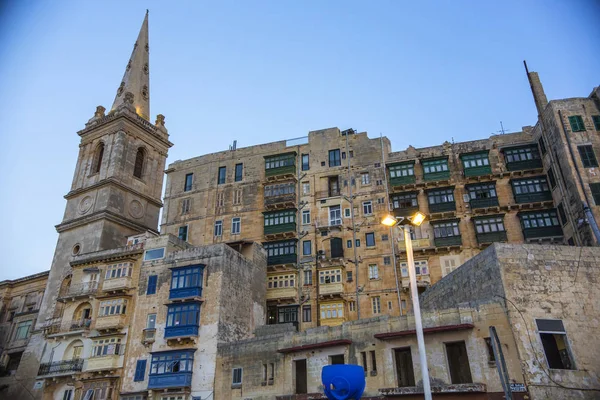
405 224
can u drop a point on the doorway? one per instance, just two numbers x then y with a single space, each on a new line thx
404 367
301 376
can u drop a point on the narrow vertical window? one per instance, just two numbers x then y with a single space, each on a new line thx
305 162
239 172
139 163
306 248
222 174
218 228
554 341
189 178
236 225
183 233
152 279
140 371
98 155
306 314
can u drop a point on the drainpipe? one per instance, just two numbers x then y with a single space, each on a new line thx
586 208
353 229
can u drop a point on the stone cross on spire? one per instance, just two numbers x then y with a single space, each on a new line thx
135 85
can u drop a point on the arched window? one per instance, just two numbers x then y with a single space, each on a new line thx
98 158
139 163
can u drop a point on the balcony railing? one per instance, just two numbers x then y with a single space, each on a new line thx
281 228
110 361
323 194
523 165
111 322
282 293
442 207
281 199
168 380
543 232
416 244
61 367
80 289
148 335
123 282
181 331
484 203
533 197
402 180
478 171
448 241
185 292
491 237
282 259
331 288
57 325
405 211
437 176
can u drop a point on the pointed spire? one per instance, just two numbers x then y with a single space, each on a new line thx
135 85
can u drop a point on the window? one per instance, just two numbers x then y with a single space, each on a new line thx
421 268
405 200
441 196
458 363
349 244
185 206
68 394
306 248
435 166
335 216
373 272
445 229
189 178
482 191
554 341
334 158
237 197
305 188
305 217
308 277
120 270
22 331
332 310
236 376
348 276
404 367
347 213
306 314
151 289
343 155
140 370
151 321
376 304
183 233
305 162
475 160
539 219
172 362
186 277
220 199
490 350
402 170
532 189
357 244
98 156
139 163
107 347
595 188
385 237
222 175
365 179
449 264
542 145
370 239
279 161
373 361
279 218
236 225
281 281
218 228
154 254
239 172
387 260
112 307
562 214
551 178
491 224
277 250
367 207
517 154
596 119
576 123
185 315
588 158
330 276
363 357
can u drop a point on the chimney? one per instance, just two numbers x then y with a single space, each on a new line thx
539 97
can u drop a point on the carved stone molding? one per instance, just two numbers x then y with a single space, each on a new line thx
136 209
85 204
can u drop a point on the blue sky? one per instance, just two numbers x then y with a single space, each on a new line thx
262 71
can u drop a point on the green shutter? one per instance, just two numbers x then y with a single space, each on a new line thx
596 119
576 123
595 187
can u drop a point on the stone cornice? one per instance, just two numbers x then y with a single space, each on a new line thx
40 275
112 181
108 215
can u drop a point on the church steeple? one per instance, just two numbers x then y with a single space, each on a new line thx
135 85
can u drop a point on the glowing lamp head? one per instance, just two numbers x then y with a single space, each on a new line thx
417 219
389 220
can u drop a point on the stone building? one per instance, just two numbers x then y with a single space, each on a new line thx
20 302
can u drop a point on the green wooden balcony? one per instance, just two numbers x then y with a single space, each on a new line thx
402 180
533 197
491 237
437 176
288 169
282 259
442 207
405 212
448 241
478 171
546 231
523 165
484 203
282 228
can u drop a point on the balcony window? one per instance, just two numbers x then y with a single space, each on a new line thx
330 276
186 282
522 157
531 189
441 200
280 164
334 158
490 229
421 268
189 179
287 315
483 195
171 369
283 252
279 221
402 173
332 310
446 233
476 164
118 270
107 347
182 320
576 122
335 215
436 169
333 186
112 307
284 189
539 224
405 204
281 281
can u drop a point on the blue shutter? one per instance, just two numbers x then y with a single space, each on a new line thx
140 370
151 284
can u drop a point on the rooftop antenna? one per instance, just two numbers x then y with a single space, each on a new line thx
502 130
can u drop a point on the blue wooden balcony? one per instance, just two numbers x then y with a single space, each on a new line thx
183 293
181 331
170 380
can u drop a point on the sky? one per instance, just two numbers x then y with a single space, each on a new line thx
418 72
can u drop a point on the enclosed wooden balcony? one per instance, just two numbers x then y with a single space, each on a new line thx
104 363
111 322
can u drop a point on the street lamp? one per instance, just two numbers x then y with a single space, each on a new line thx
405 224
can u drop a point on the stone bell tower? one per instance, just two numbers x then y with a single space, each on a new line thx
116 189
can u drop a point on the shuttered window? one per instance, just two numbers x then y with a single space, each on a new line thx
140 370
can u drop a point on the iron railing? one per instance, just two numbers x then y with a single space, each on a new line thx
61 367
